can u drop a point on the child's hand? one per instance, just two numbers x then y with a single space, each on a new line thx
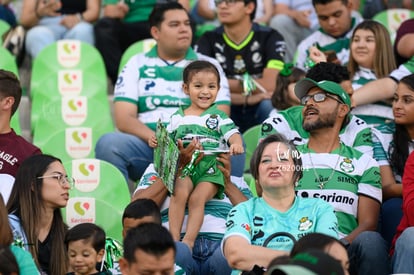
152 142
236 149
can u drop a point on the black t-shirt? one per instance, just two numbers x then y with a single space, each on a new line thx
261 46
44 253
73 6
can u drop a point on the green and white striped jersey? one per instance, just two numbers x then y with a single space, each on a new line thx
339 178
374 113
213 128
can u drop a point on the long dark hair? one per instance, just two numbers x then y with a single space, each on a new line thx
26 202
6 235
399 150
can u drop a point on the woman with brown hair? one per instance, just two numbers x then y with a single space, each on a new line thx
40 190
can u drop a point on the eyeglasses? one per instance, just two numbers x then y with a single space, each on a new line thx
228 2
61 179
318 97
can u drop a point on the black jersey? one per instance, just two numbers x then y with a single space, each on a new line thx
262 48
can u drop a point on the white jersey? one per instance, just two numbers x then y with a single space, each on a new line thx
373 110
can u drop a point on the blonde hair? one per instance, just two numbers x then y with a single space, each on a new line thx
384 60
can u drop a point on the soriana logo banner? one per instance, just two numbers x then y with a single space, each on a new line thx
70 82
80 210
87 174
78 142
74 110
68 53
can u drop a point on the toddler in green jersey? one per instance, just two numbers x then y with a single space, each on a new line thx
214 130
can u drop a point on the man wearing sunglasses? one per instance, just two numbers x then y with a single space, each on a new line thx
354 131
244 48
341 175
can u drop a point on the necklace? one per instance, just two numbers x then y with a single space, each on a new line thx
321 184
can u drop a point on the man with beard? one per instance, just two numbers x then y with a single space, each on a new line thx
354 131
341 175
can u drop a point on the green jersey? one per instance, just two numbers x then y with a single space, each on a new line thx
213 128
339 178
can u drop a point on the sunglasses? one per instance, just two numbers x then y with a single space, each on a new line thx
318 97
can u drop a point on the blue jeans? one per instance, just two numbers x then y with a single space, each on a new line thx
206 258
402 260
390 217
50 30
246 117
368 255
131 155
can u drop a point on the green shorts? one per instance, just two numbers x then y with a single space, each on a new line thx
206 171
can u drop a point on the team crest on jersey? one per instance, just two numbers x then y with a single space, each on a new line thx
239 65
212 122
347 166
305 223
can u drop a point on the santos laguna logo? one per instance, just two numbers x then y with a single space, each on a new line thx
87 174
78 142
80 210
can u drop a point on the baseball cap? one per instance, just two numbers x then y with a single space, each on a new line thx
312 262
304 85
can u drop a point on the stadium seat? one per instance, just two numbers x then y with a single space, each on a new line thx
248 178
69 143
15 123
69 111
67 67
4 27
251 139
100 195
392 19
136 48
